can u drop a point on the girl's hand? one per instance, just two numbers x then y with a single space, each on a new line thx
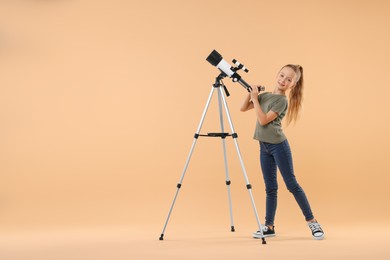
254 93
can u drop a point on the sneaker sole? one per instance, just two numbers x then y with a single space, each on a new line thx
319 238
257 237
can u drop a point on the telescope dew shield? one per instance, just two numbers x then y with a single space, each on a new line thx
216 60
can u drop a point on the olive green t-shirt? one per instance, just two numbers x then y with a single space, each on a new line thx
272 132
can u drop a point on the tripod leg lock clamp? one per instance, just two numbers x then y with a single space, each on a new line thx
178 185
249 186
234 135
228 182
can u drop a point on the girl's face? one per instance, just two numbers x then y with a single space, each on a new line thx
285 79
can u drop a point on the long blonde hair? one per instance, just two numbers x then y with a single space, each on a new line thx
296 94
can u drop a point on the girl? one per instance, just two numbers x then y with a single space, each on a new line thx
270 108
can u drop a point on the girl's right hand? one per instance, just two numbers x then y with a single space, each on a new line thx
254 93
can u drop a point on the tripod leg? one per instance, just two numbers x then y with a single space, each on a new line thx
228 182
248 185
187 162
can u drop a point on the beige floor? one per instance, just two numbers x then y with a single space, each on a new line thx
352 242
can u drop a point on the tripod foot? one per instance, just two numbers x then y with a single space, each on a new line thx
264 242
161 237
232 229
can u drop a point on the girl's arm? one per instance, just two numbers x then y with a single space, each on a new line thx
246 104
262 118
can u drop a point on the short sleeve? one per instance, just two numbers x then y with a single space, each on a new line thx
279 106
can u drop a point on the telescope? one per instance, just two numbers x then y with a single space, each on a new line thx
226 71
216 60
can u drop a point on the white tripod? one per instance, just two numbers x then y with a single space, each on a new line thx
220 87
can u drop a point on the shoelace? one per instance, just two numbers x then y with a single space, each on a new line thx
315 227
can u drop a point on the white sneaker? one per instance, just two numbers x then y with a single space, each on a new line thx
267 232
316 230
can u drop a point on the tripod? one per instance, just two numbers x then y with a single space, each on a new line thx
220 87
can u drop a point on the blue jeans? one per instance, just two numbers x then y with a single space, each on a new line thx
273 156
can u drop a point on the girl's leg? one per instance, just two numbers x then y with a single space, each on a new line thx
283 157
269 169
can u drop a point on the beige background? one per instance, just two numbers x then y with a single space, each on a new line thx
100 100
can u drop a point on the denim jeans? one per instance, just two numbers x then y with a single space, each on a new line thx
273 156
